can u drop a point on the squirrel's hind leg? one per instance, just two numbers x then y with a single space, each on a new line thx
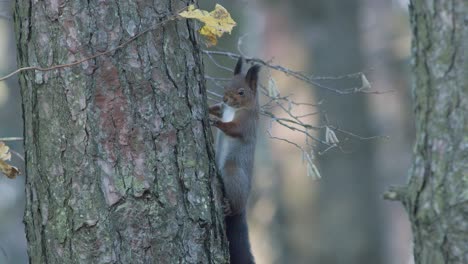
236 186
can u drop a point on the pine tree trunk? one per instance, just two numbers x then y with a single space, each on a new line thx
118 152
437 195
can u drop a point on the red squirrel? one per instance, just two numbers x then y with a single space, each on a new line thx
236 118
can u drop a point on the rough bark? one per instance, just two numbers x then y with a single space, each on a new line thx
118 152
436 197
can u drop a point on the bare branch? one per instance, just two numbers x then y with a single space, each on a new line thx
17 154
5 16
284 140
11 139
125 43
312 80
215 94
216 82
212 99
217 63
356 135
287 105
311 168
396 193
239 44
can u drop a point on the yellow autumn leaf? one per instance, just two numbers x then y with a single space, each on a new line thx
4 151
216 22
6 168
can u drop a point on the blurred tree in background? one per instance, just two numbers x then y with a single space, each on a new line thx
348 219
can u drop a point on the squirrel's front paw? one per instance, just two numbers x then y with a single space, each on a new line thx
214 121
227 207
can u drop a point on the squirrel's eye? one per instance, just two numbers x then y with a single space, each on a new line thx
241 92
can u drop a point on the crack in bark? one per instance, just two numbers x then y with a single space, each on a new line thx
86 140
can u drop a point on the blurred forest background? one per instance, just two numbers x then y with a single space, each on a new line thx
293 218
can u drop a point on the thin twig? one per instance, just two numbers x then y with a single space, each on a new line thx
212 99
217 64
214 81
306 115
37 68
214 94
356 135
299 75
11 139
17 154
5 16
285 140
239 44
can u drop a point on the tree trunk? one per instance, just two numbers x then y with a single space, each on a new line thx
436 197
118 151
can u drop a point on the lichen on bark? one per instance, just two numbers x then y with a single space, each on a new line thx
436 197
118 159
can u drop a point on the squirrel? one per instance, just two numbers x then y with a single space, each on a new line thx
236 118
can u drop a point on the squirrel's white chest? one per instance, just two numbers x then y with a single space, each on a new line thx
228 113
223 142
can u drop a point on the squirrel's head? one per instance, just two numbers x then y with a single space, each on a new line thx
242 91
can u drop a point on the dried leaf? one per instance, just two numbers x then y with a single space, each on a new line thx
272 89
365 83
10 171
312 170
330 136
4 152
216 22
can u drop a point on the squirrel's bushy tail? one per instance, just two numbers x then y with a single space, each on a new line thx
238 237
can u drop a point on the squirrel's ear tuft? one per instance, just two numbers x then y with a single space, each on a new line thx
238 68
252 77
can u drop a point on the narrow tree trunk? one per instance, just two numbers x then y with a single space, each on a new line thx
118 158
437 194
